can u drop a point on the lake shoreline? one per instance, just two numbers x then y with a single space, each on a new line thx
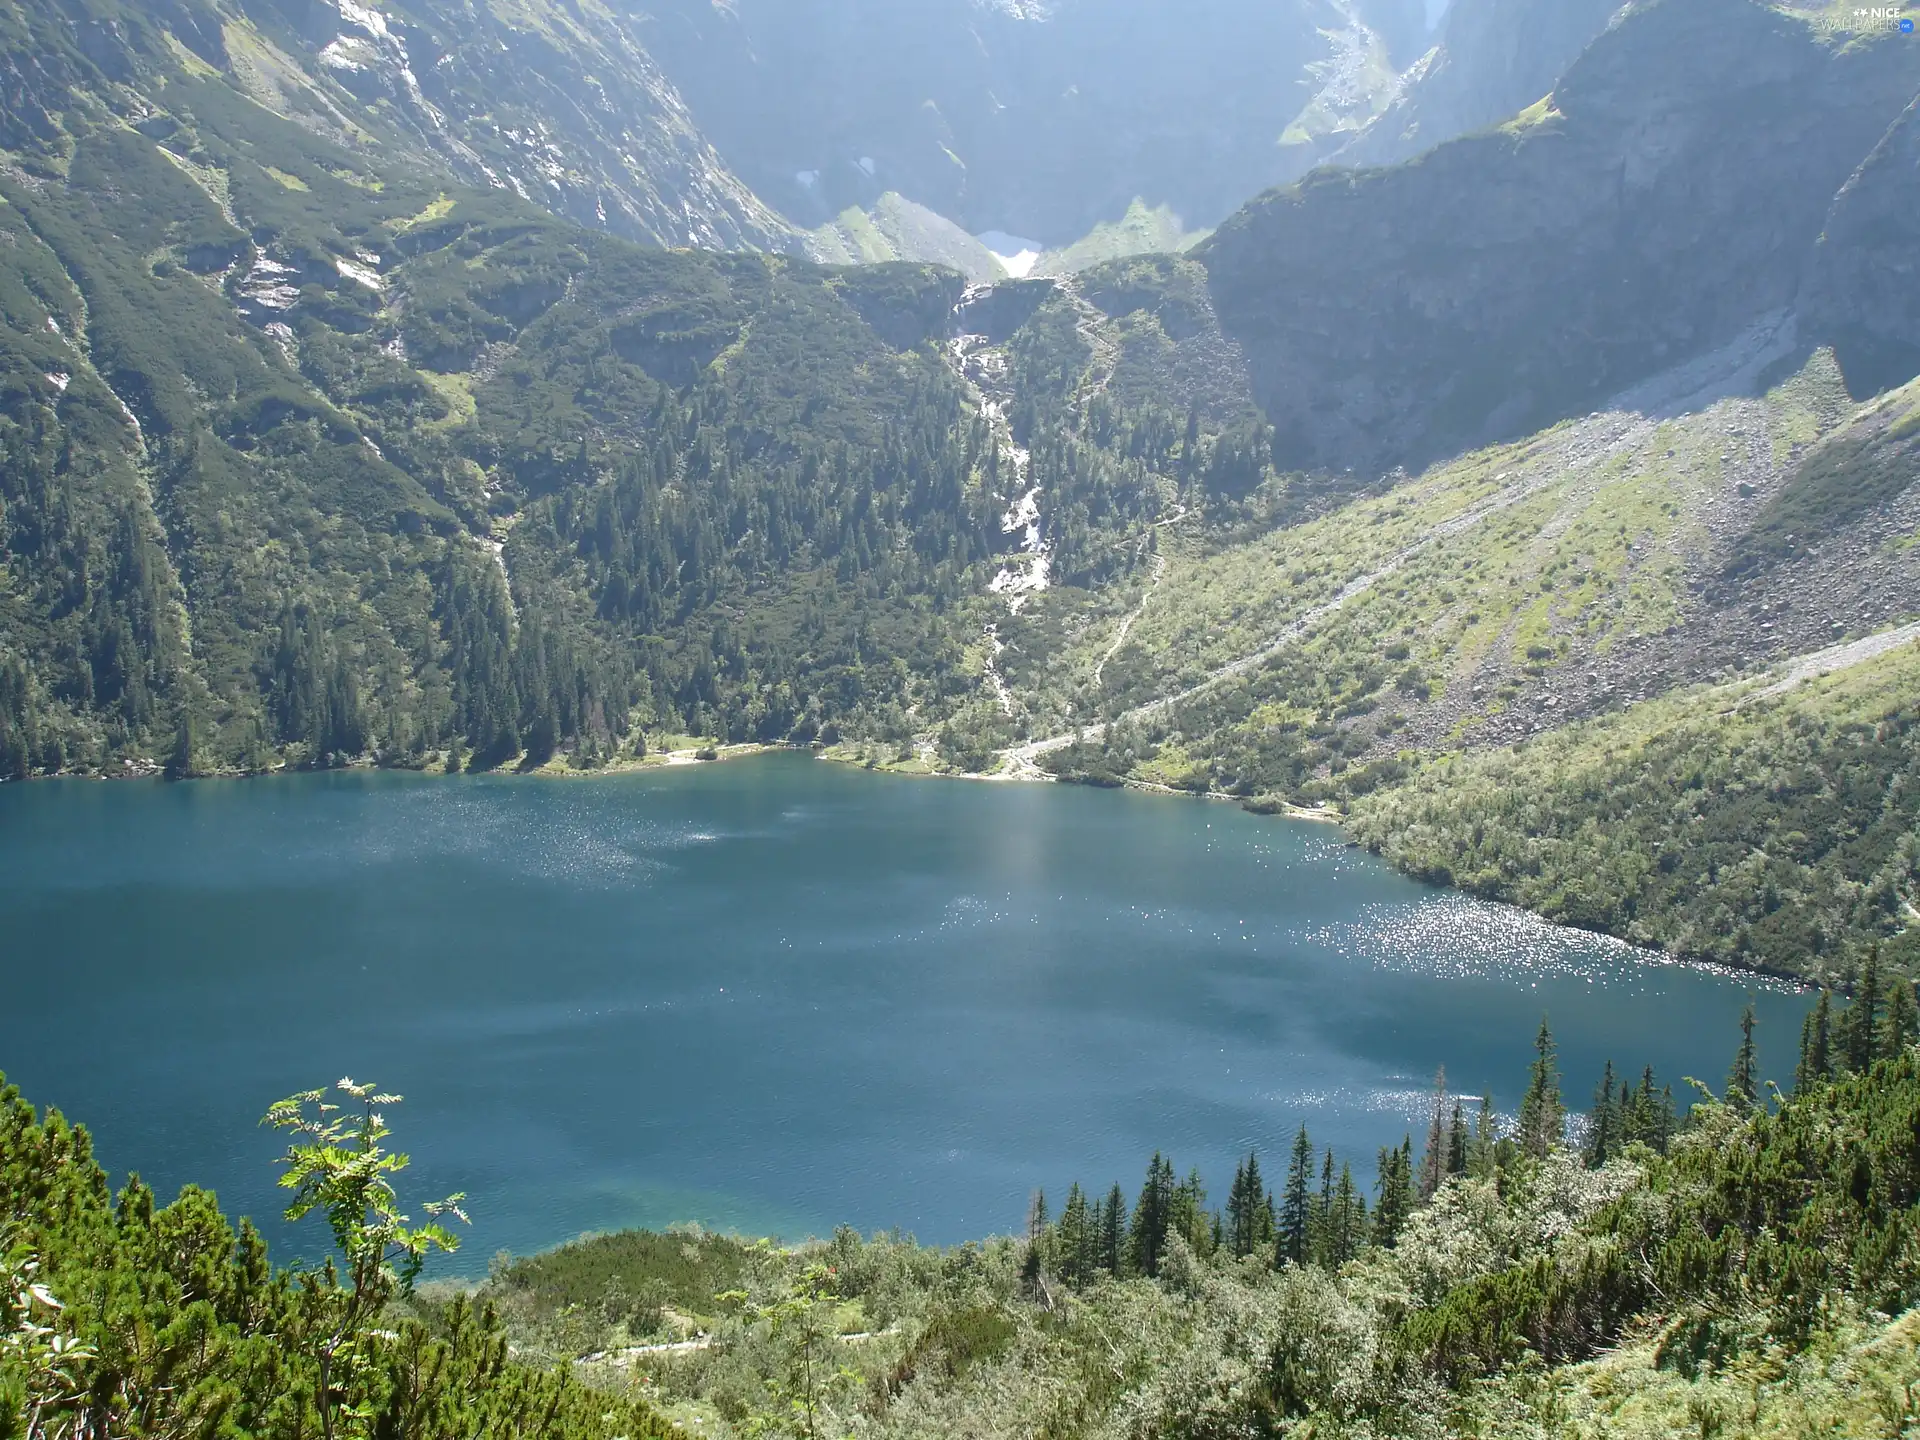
706 754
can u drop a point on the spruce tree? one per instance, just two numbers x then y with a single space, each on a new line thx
1187 1214
1901 1023
1483 1162
1743 1080
1459 1141
1820 1051
1804 1074
1395 1186
1318 1238
1235 1209
1603 1131
1433 1162
1296 1213
1078 1248
1152 1213
1113 1229
182 764
1343 1232
1863 1016
1542 1116
1248 1211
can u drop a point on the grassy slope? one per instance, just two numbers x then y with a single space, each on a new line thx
898 229
1575 537
1727 822
1144 229
1458 608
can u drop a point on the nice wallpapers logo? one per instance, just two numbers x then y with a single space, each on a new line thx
1860 19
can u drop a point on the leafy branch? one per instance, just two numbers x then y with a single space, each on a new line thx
337 1163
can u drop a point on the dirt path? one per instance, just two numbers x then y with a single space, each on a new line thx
1839 657
1022 757
1126 625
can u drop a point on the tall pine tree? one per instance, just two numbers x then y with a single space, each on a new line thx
1603 1128
1542 1116
1901 1023
1152 1214
1433 1161
1296 1205
1743 1080
1395 1187
1863 1016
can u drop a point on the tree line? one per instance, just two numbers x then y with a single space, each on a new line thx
1320 1215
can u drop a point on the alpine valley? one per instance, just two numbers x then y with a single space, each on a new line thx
1491 426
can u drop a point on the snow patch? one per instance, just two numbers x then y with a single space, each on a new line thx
371 21
59 379
1001 243
1017 255
360 274
349 52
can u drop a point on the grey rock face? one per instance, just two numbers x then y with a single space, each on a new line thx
570 111
1863 287
1669 195
1493 58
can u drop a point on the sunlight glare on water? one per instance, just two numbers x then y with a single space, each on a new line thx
776 995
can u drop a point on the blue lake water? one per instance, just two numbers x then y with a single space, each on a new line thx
775 995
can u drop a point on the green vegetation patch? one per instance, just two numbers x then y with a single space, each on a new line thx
1760 830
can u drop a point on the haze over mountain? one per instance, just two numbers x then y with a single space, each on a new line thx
1036 120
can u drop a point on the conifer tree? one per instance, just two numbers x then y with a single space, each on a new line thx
1801 1064
1743 1080
1078 1240
1296 1205
1318 1238
1395 1187
1542 1116
1346 1222
1249 1214
1459 1141
1484 1159
1816 1062
1902 1021
1187 1214
1152 1214
1863 1016
1646 1114
182 764
1113 1231
1433 1162
1603 1133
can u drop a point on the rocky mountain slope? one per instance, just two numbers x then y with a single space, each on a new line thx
311 452
1740 501
1666 196
1861 292
1491 59
560 105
